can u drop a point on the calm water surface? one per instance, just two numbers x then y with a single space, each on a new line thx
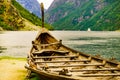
106 44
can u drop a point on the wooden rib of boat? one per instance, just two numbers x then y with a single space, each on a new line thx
51 59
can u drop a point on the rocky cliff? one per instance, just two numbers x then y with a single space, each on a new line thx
98 15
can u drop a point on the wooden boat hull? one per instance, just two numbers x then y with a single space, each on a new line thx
48 76
52 60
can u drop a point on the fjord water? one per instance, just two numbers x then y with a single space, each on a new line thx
104 43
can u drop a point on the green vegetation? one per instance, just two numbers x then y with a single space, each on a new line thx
5 26
29 16
26 14
2 9
13 15
101 15
2 23
13 58
34 76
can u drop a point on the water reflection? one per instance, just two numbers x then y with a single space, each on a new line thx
2 49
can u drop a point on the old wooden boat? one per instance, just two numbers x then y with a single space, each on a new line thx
51 59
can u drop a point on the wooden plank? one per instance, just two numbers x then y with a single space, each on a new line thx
61 61
51 51
107 69
50 76
77 70
42 57
97 75
77 65
55 43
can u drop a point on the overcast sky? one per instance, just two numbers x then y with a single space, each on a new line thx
46 3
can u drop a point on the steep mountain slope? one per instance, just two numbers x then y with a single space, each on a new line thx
83 14
14 17
31 5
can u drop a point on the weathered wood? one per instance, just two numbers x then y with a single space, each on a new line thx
97 75
42 11
49 76
51 51
77 70
77 65
107 69
61 61
55 43
28 74
42 57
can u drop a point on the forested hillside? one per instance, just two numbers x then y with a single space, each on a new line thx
14 17
32 5
99 15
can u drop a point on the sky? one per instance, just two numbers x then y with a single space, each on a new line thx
46 3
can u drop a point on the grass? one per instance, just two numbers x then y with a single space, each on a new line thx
34 77
13 58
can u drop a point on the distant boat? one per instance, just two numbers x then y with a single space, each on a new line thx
89 29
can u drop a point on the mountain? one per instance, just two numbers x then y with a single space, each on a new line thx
99 15
31 5
14 17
